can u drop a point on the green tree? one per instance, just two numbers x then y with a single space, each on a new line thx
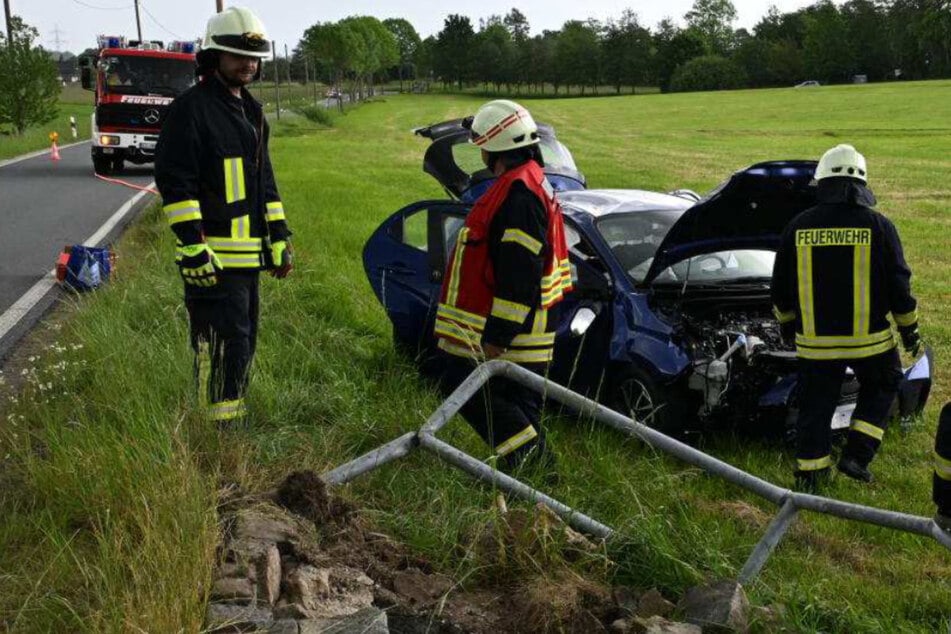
626 52
866 25
29 86
826 48
407 41
494 59
577 54
673 48
710 72
453 49
713 20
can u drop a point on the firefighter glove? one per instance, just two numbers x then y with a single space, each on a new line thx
199 265
282 255
910 339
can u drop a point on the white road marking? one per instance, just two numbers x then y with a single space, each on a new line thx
12 316
24 157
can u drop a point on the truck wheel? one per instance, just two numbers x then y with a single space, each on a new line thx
102 165
660 407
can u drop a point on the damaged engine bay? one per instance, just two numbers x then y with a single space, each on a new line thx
742 373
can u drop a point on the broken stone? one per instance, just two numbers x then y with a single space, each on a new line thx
621 626
284 626
660 625
720 608
222 617
653 603
271 527
626 599
285 610
268 572
383 598
233 570
420 589
329 592
235 589
366 621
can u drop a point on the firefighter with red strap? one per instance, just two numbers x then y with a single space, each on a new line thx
838 274
508 269
214 172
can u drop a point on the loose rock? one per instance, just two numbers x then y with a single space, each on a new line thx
720 608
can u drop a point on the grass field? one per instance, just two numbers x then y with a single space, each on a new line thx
73 101
108 477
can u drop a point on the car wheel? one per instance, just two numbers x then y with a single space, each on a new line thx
659 407
102 165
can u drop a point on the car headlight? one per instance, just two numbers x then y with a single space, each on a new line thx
108 139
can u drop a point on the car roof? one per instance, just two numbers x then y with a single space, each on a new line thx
603 202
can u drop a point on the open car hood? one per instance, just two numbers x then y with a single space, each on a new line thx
466 180
747 211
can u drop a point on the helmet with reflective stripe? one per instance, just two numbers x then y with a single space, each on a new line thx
237 30
503 125
842 160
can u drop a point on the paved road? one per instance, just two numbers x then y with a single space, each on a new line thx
46 205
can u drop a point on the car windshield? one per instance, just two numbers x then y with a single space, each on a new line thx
139 75
556 156
634 239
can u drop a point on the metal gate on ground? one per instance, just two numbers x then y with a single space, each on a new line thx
789 502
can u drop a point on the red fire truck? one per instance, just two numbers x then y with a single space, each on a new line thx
134 84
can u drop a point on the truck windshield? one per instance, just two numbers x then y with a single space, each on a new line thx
139 75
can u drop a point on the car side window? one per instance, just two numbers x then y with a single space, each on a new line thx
587 269
414 230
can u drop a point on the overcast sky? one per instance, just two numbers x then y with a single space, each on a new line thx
79 21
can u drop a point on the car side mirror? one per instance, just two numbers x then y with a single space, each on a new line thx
582 320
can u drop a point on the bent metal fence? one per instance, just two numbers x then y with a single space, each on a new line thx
789 502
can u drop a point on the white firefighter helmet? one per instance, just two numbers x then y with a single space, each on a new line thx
503 125
237 30
842 160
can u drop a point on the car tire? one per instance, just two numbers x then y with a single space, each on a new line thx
664 408
102 166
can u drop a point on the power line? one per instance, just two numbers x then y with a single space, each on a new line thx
92 6
159 24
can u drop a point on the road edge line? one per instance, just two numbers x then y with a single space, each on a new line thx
12 316
24 157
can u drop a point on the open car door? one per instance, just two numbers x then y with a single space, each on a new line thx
457 164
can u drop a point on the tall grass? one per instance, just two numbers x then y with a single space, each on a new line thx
107 515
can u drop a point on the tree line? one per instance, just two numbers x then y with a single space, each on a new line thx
877 39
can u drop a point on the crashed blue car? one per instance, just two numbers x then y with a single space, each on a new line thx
670 320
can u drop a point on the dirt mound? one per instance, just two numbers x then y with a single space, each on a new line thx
305 494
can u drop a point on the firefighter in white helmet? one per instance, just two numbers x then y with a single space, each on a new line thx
508 269
214 172
839 273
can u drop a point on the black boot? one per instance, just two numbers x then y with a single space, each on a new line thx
943 519
854 469
812 482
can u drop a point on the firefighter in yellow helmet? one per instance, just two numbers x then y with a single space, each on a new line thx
213 170
839 273
508 269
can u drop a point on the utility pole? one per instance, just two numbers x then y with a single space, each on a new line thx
138 22
57 40
220 5
277 78
6 11
288 60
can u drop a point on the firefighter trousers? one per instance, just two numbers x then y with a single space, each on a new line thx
820 384
224 324
504 413
941 488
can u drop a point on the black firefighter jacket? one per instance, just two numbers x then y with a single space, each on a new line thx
839 272
213 171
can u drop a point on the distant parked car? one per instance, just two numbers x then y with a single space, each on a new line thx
808 84
333 93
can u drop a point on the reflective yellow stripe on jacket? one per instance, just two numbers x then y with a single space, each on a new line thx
234 179
182 211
